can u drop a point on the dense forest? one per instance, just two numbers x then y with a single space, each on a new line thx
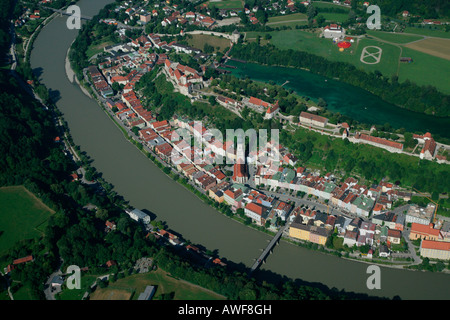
423 99
431 9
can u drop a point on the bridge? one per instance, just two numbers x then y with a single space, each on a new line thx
63 12
268 249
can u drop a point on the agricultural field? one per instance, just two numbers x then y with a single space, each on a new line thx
22 216
226 4
432 46
131 286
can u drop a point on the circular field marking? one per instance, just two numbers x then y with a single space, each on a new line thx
368 53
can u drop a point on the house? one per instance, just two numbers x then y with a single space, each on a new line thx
435 249
350 238
111 263
57 282
394 236
384 251
256 212
110 226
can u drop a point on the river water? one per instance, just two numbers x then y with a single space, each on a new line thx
140 182
346 99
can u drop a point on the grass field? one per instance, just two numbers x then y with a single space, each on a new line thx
398 38
287 17
97 48
199 41
22 216
428 31
334 17
426 70
131 286
226 4
427 67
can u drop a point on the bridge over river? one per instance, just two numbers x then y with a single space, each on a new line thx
268 249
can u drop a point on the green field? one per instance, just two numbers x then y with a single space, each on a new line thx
22 216
334 17
199 41
428 31
319 5
426 69
226 4
164 283
394 37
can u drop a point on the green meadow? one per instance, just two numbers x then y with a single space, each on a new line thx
22 216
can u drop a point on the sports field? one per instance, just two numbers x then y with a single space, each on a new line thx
22 216
199 41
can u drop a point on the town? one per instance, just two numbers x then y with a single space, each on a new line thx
268 193
178 79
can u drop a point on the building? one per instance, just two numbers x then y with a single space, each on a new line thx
429 149
138 215
256 212
391 146
435 249
310 119
424 232
148 293
240 174
394 236
333 31
420 215
308 232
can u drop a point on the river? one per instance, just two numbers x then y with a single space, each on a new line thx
346 99
145 186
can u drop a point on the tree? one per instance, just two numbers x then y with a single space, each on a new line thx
212 100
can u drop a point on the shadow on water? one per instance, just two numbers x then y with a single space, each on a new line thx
38 72
54 95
